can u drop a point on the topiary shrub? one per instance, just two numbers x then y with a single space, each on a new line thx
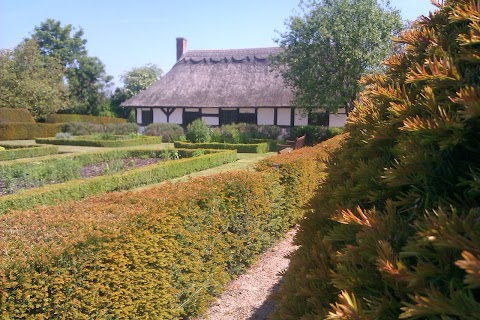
8 115
168 131
394 231
198 131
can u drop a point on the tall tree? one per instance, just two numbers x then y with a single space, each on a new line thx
87 80
331 45
30 80
134 80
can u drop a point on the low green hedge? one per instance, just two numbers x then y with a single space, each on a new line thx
240 147
150 174
27 131
18 152
90 141
62 118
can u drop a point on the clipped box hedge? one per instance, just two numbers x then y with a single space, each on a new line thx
62 118
19 152
160 253
8 115
77 189
27 131
90 141
240 147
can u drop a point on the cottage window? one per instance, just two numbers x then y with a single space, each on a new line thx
190 116
228 116
147 116
319 118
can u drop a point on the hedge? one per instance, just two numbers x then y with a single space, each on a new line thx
27 131
90 141
161 253
240 147
18 152
8 115
62 118
77 189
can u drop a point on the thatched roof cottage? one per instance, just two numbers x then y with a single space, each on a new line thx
222 87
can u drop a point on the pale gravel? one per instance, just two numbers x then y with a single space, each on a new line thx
246 297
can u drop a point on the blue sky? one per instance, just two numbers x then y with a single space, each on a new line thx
126 34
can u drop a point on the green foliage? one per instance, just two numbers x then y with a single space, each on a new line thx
198 131
18 152
331 45
65 118
15 115
86 76
261 147
27 131
30 80
181 242
78 189
102 140
168 131
314 134
395 232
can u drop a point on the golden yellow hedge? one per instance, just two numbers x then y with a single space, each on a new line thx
8 115
27 131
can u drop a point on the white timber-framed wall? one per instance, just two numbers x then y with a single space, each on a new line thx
280 116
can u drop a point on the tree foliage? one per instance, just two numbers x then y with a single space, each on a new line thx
87 80
134 81
395 230
331 45
30 80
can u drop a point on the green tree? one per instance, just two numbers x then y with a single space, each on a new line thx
134 81
331 45
30 80
87 80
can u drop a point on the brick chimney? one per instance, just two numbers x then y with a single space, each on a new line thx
181 47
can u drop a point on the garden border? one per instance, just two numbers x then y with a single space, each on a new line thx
240 147
81 141
78 189
20 152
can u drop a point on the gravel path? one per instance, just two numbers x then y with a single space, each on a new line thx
246 296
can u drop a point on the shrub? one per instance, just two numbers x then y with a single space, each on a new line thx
63 118
198 131
8 115
121 128
394 229
27 131
168 131
63 135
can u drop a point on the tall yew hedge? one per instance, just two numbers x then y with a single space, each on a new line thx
395 230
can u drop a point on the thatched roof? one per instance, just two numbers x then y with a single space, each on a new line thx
218 78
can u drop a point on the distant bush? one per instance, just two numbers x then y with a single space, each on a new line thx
198 131
62 118
168 131
86 128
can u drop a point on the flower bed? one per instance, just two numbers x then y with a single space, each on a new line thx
77 189
92 141
13 152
